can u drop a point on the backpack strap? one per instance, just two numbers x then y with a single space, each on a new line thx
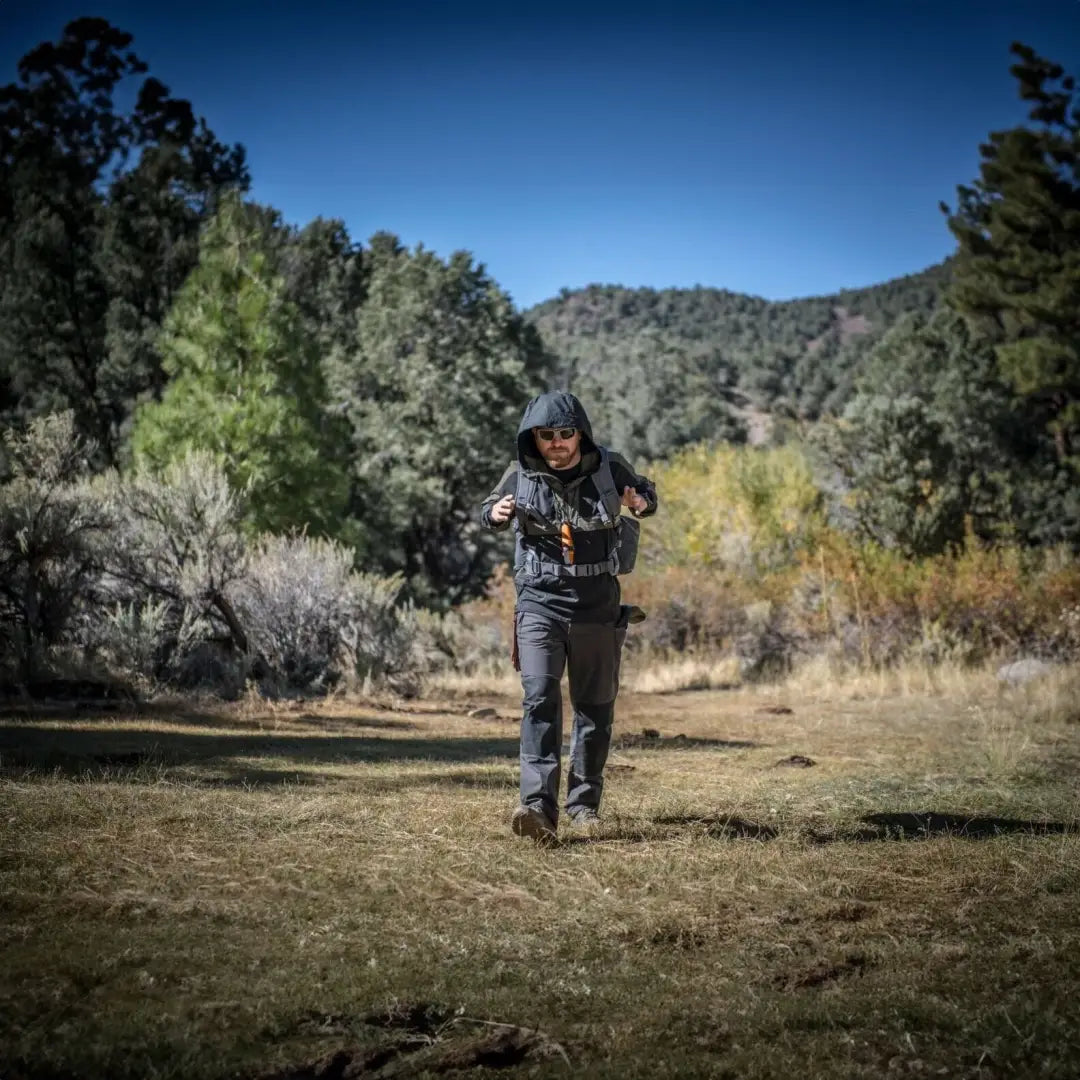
526 512
536 567
609 498
529 519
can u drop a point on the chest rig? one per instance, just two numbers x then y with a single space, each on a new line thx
542 511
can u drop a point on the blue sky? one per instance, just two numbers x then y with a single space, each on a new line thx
776 148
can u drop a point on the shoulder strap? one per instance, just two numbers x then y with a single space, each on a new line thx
525 510
608 496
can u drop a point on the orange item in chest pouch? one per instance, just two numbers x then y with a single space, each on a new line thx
567 538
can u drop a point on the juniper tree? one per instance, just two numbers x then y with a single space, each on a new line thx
433 388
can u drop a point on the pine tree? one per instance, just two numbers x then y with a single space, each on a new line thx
1017 272
100 212
247 385
433 389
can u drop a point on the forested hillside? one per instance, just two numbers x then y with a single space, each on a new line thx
668 367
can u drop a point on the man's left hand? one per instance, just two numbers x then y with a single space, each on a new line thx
632 499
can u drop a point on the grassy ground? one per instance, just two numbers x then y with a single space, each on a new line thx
333 891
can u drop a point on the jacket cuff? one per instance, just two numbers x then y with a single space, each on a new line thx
650 507
491 526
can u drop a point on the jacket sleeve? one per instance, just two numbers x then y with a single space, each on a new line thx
624 476
507 485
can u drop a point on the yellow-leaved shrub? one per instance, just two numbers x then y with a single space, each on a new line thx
741 558
733 509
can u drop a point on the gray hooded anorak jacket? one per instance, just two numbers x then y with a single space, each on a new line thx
570 492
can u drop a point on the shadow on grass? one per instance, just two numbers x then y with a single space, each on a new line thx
716 826
647 741
873 828
186 716
722 827
75 751
248 777
923 826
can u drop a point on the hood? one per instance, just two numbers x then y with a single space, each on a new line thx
556 408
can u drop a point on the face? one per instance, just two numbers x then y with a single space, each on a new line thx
559 447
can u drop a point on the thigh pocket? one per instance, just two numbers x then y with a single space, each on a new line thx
541 646
594 663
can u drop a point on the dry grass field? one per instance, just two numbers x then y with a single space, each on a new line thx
877 878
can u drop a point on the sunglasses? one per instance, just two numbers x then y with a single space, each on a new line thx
546 434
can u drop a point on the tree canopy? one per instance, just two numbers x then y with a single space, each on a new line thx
433 388
100 212
371 393
1017 270
246 383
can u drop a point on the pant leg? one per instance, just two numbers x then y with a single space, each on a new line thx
542 649
594 657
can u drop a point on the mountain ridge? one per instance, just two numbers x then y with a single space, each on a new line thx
705 357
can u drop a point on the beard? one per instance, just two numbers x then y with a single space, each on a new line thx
562 458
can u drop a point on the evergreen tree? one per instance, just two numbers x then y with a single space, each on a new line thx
99 219
441 370
247 385
930 445
1018 267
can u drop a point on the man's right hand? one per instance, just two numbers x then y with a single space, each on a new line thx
502 511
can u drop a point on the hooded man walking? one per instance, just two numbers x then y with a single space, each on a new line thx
565 496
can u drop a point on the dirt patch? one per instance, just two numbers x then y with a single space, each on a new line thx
820 974
845 911
796 761
850 325
651 739
694 937
419 1037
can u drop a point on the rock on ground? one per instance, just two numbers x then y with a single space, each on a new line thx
1024 671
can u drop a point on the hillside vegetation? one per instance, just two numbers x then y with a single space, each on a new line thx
667 367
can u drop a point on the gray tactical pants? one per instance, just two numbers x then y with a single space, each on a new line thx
546 648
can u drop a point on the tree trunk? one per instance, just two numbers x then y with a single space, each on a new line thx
229 615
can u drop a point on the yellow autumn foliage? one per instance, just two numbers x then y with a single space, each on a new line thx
741 550
742 510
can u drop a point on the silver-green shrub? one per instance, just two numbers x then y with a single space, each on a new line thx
312 620
51 530
176 543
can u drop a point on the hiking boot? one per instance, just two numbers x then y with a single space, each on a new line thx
533 824
584 820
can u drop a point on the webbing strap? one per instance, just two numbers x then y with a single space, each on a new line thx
535 565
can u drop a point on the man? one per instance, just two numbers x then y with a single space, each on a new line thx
565 496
